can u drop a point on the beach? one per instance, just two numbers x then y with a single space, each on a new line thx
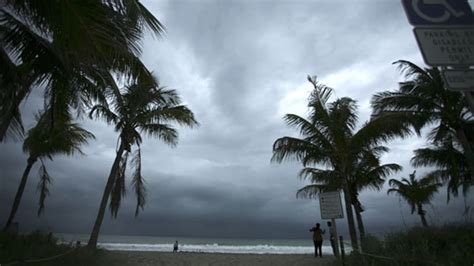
128 258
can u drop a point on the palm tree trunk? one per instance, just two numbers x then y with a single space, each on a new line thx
360 223
105 198
350 219
421 212
19 193
466 146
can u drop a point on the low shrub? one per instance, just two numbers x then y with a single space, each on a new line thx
36 246
449 245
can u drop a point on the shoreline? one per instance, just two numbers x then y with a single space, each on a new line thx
129 258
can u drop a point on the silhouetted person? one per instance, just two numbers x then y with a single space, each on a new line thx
317 239
332 239
175 246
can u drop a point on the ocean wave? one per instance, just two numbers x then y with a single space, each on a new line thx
214 248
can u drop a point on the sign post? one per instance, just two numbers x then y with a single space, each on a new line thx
459 79
331 208
444 30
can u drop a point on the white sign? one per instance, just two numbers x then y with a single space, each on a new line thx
330 204
453 46
459 79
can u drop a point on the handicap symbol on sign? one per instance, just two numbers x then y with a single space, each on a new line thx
448 11
438 12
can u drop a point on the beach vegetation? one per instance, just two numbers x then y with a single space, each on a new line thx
369 173
447 245
64 45
44 141
40 248
136 110
416 192
424 101
330 138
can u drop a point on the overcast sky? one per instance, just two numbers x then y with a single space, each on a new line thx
240 66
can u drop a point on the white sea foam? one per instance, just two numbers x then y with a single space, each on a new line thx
206 245
215 248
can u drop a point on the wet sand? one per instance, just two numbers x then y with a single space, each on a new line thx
128 258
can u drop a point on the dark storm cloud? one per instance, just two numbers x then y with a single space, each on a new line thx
240 66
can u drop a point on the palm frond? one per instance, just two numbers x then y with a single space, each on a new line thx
313 132
310 191
163 132
44 182
103 111
118 190
292 148
381 129
138 182
410 69
178 114
65 137
144 18
320 94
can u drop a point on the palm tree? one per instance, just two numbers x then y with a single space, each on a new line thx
141 108
43 142
424 100
368 176
329 139
451 166
69 42
416 192
368 173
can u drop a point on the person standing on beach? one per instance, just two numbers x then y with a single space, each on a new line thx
175 246
317 239
332 239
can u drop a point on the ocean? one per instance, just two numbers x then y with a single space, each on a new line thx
207 245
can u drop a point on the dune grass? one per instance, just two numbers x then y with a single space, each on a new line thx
36 246
438 245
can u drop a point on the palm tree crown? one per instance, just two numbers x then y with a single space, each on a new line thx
423 100
415 192
66 137
46 141
63 44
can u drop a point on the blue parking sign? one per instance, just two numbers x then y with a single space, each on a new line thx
438 12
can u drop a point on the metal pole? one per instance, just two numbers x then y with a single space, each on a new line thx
336 242
342 250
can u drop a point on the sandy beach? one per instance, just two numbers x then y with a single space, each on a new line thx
127 258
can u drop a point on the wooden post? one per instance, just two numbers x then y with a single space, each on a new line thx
342 250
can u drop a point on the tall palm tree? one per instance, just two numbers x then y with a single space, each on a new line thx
44 141
415 192
51 42
330 139
424 101
140 108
